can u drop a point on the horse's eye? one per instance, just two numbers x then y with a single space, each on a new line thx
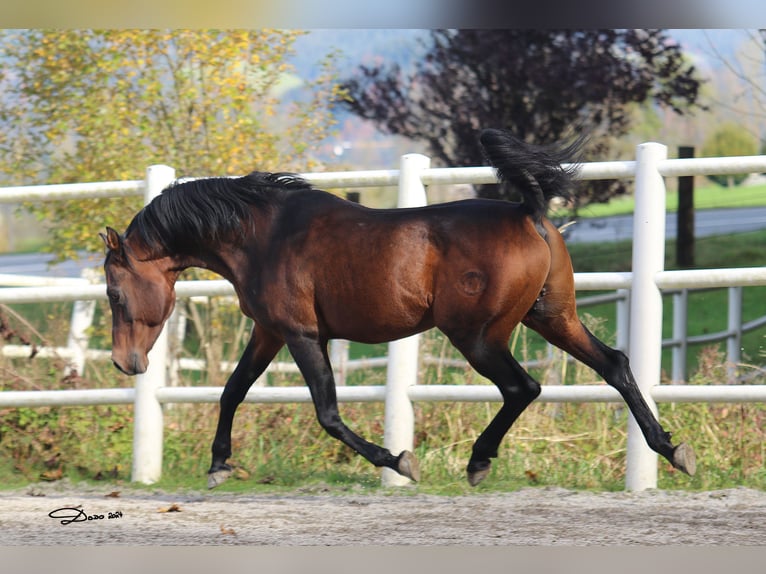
114 296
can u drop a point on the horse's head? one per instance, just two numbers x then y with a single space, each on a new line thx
141 296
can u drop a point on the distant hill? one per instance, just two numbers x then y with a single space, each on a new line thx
356 47
358 144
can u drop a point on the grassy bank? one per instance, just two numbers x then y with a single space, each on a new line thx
706 196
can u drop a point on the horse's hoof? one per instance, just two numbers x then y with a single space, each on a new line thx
684 459
218 477
408 466
476 476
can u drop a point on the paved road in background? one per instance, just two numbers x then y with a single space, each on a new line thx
39 265
706 222
596 230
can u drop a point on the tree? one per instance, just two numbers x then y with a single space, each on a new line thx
89 105
738 93
730 140
740 83
544 85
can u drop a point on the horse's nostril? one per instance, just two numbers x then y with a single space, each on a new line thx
120 368
136 363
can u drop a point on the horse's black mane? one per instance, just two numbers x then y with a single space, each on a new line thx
189 215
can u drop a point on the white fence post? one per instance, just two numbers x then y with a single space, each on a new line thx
147 410
402 369
734 327
680 335
339 360
623 320
82 319
646 304
176 331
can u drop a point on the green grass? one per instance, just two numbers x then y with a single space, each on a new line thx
707 308
705 197
280 448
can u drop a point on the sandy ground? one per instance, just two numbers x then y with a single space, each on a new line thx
325 517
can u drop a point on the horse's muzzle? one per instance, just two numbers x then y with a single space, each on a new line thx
134 365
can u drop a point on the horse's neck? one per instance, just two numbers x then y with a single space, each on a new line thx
227 261
231 260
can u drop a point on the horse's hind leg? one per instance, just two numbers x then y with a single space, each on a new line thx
311 357
517 388
566 331
259 352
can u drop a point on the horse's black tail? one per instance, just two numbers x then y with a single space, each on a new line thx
534 170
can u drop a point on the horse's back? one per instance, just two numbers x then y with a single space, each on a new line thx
375 275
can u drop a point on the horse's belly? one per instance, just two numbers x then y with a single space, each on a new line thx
376 318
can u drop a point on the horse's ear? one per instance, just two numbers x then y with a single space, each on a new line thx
112 240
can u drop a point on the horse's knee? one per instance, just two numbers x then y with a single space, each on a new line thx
622 362
616 368
521 394
232 396
533 389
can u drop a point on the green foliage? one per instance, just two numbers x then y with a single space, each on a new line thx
103 105
730 140
45 443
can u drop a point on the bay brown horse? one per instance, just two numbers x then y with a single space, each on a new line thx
308 267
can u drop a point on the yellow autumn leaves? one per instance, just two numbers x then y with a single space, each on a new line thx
102 105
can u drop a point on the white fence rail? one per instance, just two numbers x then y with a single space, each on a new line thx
77 351
645 282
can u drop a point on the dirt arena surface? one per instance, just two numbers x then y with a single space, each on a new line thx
88 516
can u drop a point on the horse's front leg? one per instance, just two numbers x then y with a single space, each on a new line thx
260 350
311 357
